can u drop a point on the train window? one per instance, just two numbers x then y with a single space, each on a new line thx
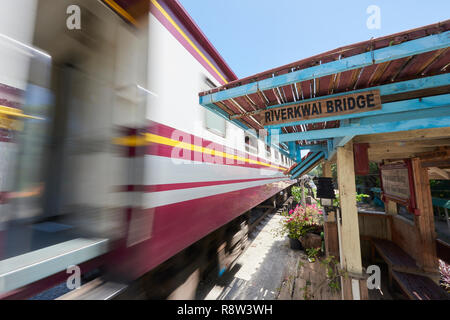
251 144
277 156
214 123
268 152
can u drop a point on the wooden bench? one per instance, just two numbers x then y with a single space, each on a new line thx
403 269
419 287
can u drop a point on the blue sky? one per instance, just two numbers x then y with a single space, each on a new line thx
257 35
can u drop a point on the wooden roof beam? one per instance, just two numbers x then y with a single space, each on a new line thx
413 135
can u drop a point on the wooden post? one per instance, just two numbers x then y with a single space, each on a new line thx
330 227
425 221
303 195
350 240
390 207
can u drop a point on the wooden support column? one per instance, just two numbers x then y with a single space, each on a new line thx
390 208
350 240
425 222
330 231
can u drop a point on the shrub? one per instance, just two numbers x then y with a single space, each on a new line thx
360 197
301 220
297 193
445 275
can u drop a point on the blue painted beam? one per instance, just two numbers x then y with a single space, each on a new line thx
293 150
292 146
424 109
342 141
302 171
428 112
337 142
406 125
303 163
405 49
306 162
313 147
308 165
330 148
395 88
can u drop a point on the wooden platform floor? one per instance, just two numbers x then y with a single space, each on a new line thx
304 280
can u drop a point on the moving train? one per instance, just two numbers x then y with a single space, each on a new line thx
107 160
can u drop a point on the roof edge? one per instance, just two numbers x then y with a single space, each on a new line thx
426 30
195 30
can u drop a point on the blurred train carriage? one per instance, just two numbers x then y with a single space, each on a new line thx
107 160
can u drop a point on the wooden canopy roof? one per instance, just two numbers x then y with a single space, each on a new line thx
410 69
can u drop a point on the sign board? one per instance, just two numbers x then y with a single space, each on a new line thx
322 108
397 183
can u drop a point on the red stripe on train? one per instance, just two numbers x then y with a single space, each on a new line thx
186 185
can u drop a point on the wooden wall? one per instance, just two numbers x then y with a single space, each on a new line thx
372 226
405 235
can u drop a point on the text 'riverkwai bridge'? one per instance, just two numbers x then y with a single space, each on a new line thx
385 100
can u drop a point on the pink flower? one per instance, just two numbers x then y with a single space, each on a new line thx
291 211
306 218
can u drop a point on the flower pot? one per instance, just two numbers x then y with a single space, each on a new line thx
295 244
311 240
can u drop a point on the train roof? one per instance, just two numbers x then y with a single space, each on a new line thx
172 12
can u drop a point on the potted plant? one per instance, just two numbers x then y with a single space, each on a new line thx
293 227
303 226
312 227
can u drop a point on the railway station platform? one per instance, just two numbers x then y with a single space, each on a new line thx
257 274
162 200
382 102
270 270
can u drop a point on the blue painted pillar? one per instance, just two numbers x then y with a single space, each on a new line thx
292 150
